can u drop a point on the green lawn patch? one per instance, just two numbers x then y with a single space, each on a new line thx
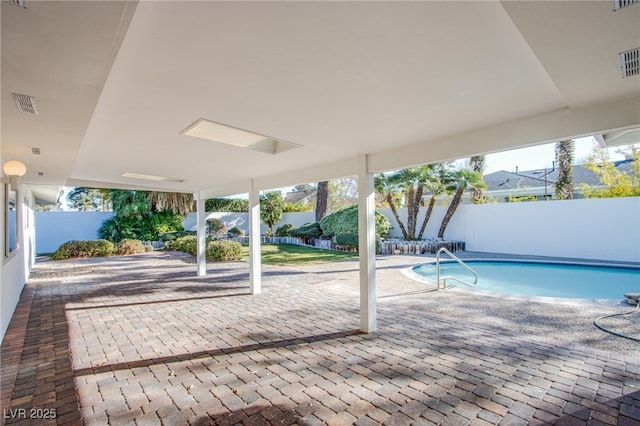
288 254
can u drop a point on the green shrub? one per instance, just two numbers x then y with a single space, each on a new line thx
348 240
216 228
284 230
224 251
351 241
187 244
235 232
169 237
91 248
309 230
128 246
345 221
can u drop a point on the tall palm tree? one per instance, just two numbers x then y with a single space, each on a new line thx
564 160
458 182
436 187
477 164
384 185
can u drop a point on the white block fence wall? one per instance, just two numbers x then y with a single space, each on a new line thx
604 229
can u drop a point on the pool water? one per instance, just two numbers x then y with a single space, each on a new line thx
541 279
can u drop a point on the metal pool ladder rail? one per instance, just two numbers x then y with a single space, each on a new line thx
451 277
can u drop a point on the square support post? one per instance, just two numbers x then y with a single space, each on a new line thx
366 246
255 273
201 232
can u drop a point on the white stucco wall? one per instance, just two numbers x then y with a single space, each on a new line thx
15 268
55 228
606 229
241 220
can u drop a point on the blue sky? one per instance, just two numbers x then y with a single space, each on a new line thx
539 157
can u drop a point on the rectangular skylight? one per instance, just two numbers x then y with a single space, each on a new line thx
221 133
150 177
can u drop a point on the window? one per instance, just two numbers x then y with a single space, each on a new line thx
10 220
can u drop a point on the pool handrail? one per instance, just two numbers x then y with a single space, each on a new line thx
451 277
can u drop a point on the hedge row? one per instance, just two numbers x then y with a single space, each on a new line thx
97 248
340 226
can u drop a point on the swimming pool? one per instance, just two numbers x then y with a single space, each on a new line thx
555 280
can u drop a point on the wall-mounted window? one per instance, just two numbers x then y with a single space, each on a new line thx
10 219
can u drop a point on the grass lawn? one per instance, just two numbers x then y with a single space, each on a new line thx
287 254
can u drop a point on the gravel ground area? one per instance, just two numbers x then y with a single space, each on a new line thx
570 322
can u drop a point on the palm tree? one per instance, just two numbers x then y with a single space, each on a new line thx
476 164
271 208
436 187
458 182
384 185
564 160
178 202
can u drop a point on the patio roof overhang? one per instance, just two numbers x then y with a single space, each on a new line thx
404 82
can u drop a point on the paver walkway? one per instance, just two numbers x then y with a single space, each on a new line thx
141 340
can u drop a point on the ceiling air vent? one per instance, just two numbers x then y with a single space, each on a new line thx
630 62
619 4
34 150
25 103
21 3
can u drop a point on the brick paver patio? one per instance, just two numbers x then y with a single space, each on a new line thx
141 340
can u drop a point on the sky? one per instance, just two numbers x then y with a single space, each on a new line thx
539 157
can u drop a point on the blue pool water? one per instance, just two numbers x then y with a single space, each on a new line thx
541 279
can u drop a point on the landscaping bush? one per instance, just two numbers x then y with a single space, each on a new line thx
309 230
187 244
216 228
235 232
347 240
284 230
129 246
170 237
223 251
91 248
350 241
345 221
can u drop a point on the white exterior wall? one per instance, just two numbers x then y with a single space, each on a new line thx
15 268
56 228
604 229
241 220
607 229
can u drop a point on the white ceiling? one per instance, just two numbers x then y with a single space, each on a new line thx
404 82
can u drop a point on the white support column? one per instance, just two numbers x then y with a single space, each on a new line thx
255 273
366 246
201 231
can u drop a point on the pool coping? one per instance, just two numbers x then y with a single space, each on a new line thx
409 272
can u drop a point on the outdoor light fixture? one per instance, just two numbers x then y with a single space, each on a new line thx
14 168
221 133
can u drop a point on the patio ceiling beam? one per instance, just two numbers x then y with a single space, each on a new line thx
535 130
